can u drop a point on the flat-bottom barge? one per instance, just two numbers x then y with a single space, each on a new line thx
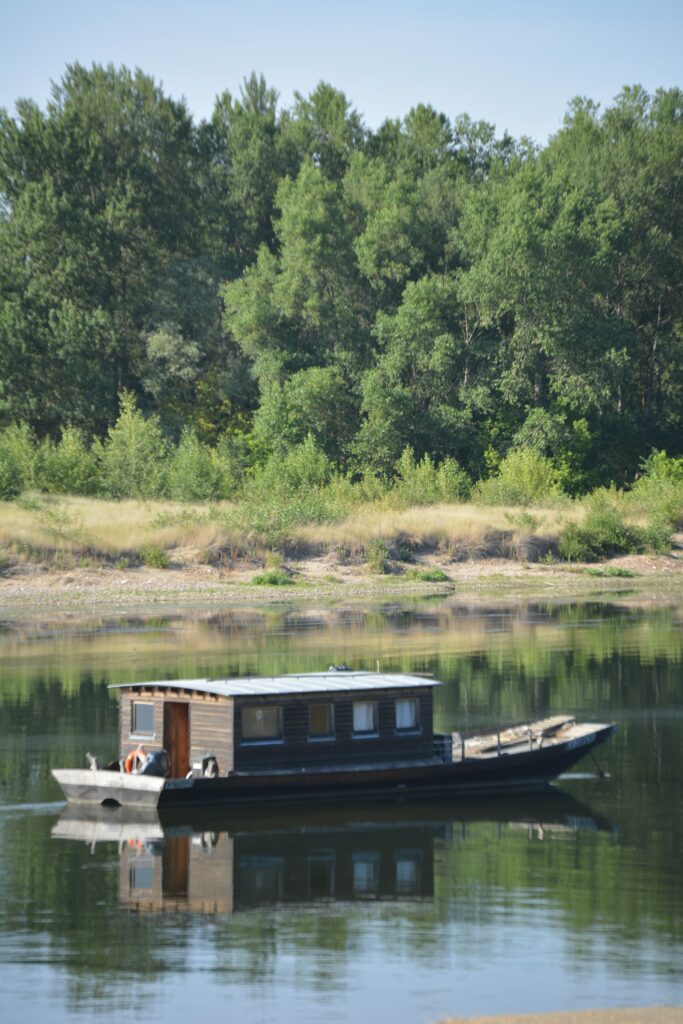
318 736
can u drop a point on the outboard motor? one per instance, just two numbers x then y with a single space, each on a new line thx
158 763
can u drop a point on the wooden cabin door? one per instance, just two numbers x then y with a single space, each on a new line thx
177 737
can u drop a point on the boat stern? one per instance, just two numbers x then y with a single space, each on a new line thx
109 788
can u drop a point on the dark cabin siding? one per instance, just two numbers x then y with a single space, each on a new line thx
296 750
211 732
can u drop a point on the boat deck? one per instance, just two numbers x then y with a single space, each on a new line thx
529 736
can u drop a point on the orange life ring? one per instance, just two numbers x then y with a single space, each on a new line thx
137 754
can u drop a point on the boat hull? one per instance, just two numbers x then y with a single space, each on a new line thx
521 770
82 785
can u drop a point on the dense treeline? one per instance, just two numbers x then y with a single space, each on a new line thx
273 278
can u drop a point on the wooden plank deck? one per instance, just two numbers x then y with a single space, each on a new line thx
528 734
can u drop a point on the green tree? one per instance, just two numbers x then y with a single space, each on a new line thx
306 306
132 459
241 166
197 472
100 200
325 128
66 467
572 258
17 454
314 402
429 382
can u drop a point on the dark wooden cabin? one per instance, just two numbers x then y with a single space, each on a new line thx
285 723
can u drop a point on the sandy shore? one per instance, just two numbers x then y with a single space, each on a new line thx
647 580
647 1015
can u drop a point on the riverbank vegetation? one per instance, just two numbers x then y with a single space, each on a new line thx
281 328
303 508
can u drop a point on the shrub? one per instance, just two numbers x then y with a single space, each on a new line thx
454 483
197 472
68 467
304 468
371 488
236 453
273 517
273 578
659 490
428 575
657 536
524 478
154 556
602 533
612 571
288 492
376 555
16 460
523 521
132 458
423 483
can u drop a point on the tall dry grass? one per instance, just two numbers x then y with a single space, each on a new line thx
77 530
81 531
461 531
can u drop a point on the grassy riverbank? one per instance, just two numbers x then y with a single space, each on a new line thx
73 532
73 552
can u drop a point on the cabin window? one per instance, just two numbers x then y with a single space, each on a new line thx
141 875
407 715
260 880
261 724
320 722
364 718
365 874
407 873
143 719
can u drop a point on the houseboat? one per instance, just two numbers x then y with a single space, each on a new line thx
329 734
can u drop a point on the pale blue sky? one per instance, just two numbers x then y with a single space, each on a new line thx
516 64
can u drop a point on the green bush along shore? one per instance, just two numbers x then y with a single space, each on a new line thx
145 502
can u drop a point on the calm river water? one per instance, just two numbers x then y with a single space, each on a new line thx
388 911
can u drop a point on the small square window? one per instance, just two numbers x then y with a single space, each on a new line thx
143 719
263 723
260 880
407 715
320 721
365 874
407 873
364 717
141 875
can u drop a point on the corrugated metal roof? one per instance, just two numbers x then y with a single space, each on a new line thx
310 682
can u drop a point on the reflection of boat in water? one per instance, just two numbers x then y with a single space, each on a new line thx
204 862
320 735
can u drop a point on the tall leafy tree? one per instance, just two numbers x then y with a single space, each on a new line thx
100 200
324 127
307 305
429 382
241 165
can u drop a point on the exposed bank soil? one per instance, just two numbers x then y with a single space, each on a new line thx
645 1015
24 585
